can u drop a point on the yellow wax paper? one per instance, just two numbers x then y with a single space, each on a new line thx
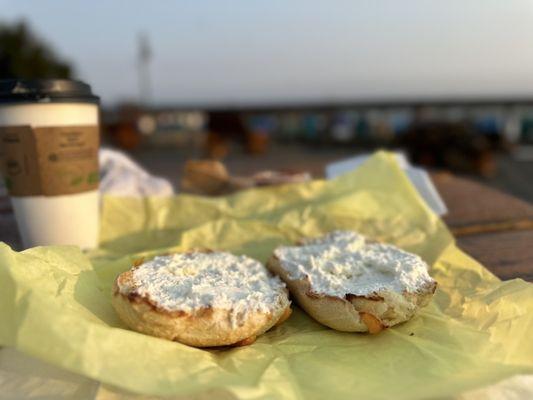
55 301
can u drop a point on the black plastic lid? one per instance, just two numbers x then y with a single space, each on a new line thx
45 91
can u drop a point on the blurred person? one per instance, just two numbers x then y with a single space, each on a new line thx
227 126
258 136
121 129
454 145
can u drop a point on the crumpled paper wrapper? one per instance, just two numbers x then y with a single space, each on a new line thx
55 301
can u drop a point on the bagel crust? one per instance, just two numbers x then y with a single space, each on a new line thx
204 326
381 306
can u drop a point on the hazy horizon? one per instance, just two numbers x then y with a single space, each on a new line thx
241 52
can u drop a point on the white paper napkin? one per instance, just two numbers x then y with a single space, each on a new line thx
418 177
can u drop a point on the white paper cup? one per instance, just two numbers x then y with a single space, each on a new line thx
54 214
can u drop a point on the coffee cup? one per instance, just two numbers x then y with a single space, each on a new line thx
49 139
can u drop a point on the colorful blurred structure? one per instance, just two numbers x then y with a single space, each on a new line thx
459 134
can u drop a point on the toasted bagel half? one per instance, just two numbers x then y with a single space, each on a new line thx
201 298
351 284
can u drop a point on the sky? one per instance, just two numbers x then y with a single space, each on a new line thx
251 51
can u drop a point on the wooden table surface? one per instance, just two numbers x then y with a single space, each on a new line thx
493 227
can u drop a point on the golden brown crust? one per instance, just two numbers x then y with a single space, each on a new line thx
206 327
245 342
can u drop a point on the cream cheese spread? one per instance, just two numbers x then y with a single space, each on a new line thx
191 281
343 262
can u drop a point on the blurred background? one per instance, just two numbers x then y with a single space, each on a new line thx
294 85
